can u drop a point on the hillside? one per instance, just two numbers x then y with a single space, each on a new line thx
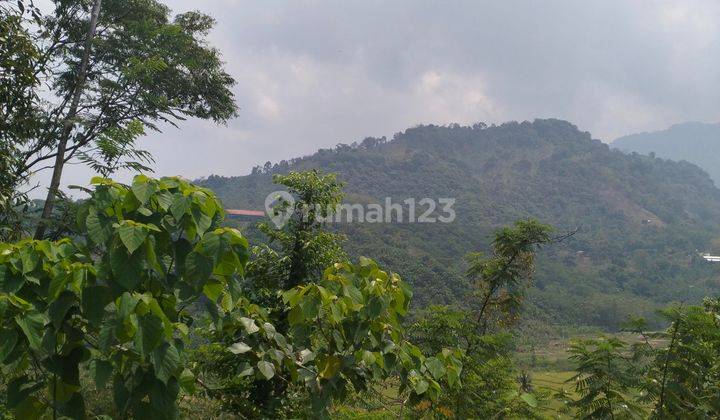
694 142
641 221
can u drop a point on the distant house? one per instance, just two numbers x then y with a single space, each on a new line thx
711 258
245 215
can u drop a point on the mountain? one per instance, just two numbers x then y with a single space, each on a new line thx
641 222
694 142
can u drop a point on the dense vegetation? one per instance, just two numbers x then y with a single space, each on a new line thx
641 221
694 142
142 301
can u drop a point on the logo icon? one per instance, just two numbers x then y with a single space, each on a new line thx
279 207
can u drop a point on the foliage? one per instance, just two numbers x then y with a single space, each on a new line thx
502 279
305 248
347 319
640 219
18 81
603 380
489 384
144 68
114 300
694 142
670 374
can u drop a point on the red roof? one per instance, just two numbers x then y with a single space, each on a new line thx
236 212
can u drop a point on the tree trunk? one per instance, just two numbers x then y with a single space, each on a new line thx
68 124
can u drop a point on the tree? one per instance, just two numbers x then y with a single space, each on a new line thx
139 68
303 248
489 387
347 317
115 299
603 380
18 81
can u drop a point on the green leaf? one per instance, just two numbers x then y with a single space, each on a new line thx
328 366
213 290
249 370
29 260
266 368
94 301
239 348
179 206
435 366
132 235
187 381
368 357
198 268
164 199
32 326
19 389
97 231
249 324
58 284
126 268
8 340
142 189
166 360
529 399
420 386
100 370
150 333
29 408
59 308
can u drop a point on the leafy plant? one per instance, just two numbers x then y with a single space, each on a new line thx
115 299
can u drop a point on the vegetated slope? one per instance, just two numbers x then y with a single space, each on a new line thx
694 142
641 220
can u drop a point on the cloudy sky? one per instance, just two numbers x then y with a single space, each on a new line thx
312 74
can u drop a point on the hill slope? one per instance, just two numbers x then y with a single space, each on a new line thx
694 142
641 220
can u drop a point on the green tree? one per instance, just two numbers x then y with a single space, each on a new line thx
304 247
18 123
348 318
113 67
604 380
115 299
489 386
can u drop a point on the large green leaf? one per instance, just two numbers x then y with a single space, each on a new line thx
328 366
239 348
94 301
8 340
126 268
150 333
60 306
250 325
132 235
166 361
266 368
142 189
198 268
100 370
32 326
435 366
98 231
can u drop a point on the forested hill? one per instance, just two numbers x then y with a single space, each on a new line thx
642 221
695 142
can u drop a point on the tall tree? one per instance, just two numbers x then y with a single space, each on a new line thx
141 68
77 92
18 100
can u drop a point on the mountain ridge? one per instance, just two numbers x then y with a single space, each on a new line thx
692 141
655 213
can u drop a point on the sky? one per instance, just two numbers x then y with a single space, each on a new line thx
312 74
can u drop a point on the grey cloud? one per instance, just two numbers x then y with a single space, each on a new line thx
314 73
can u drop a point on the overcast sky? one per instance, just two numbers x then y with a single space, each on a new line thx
312 74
